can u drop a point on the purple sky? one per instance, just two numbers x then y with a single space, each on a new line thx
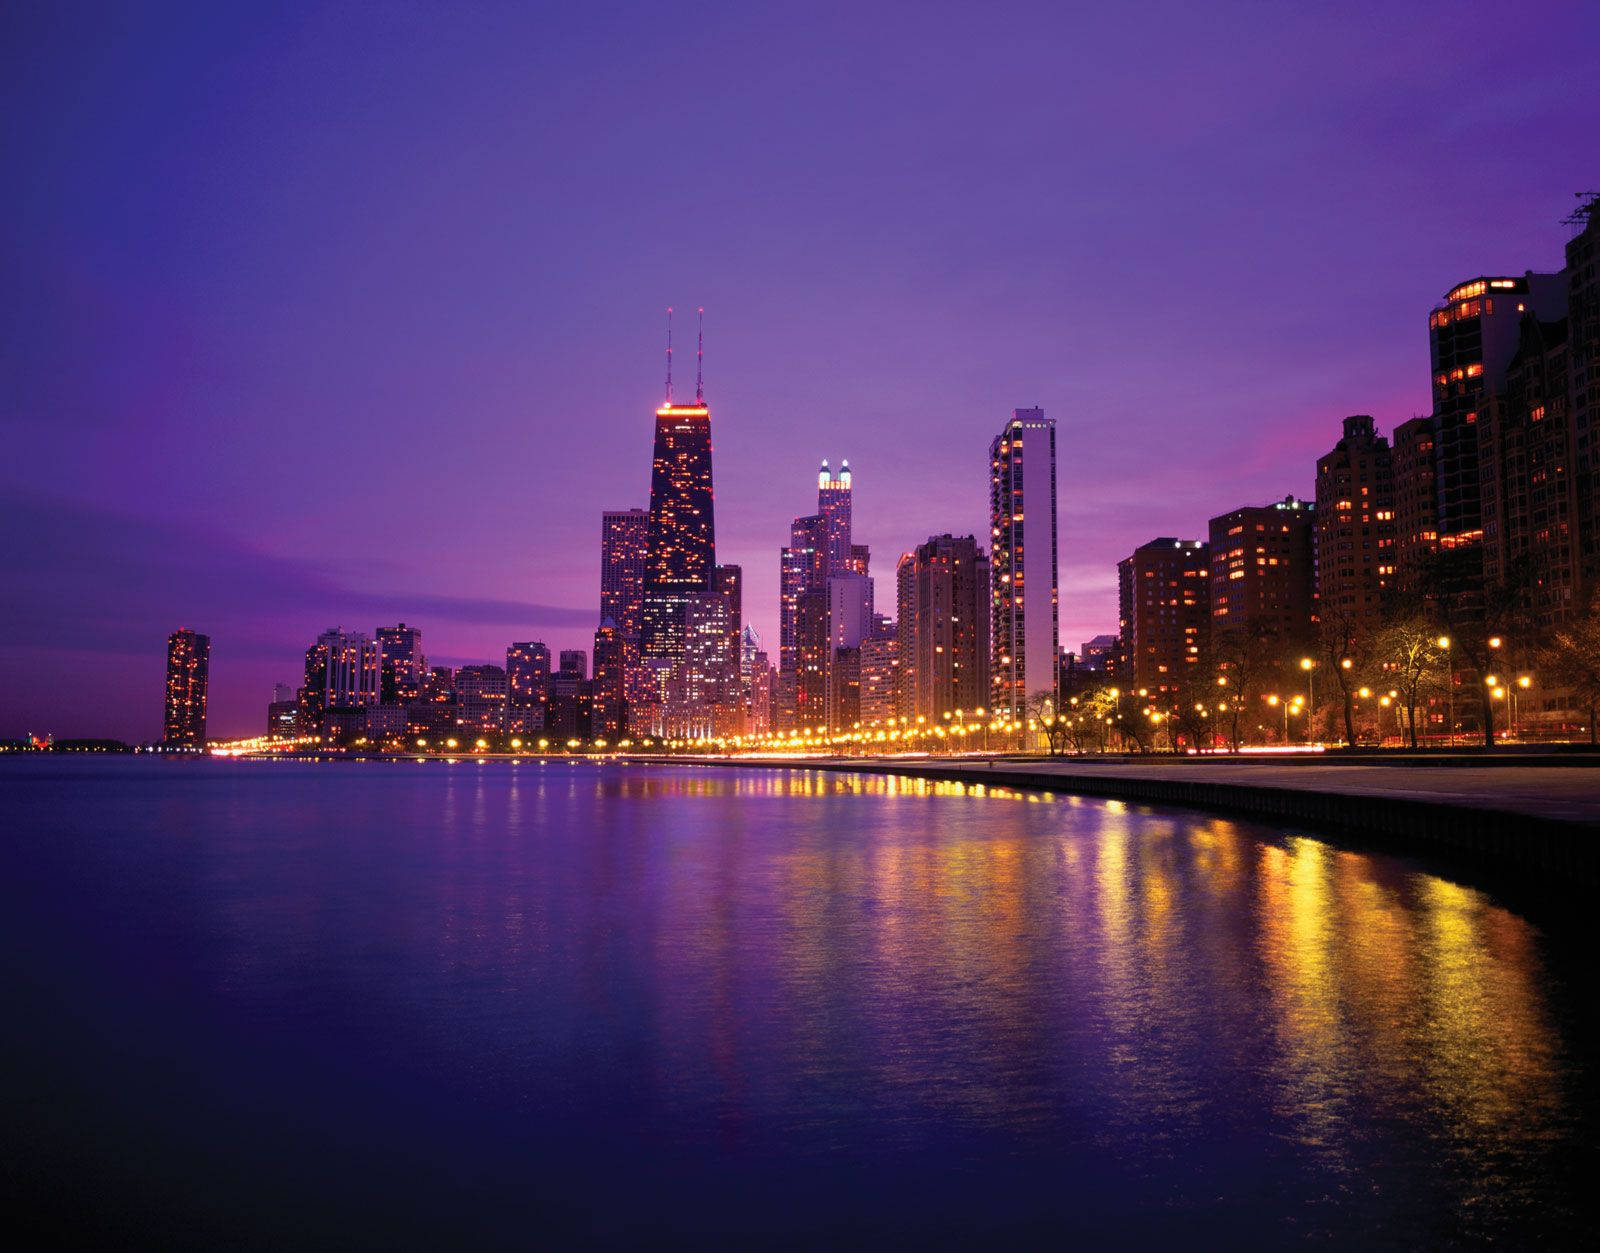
349 315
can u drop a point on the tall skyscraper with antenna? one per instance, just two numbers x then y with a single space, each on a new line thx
681 540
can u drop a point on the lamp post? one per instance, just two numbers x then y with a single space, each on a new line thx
1444 644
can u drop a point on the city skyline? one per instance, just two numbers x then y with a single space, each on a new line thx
479 372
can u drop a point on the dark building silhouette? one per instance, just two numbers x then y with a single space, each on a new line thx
1164 598
1355 534
944 591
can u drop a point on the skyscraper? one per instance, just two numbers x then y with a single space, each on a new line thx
945 598
341 679
1355 531
480 698
1416 503
401 665
624 547
825 606
527 685
188 678
609 702
1472 336
1263 584
1022 500
1164 611
680 541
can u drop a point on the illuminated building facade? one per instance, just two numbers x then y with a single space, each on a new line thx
401 664
183 719
880 679
944 588
480 698
825 606
759 681
624 546
1022 507
341 675
1263 579
1355 530
1472 336
1164 594
1416 504
527 685
680 541
608 710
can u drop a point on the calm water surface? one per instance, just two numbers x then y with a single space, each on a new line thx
525 1005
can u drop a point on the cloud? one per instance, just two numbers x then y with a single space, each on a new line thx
81 577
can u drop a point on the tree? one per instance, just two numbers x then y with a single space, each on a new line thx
1411 655
1245 662
1572 659
1042 710
1345 646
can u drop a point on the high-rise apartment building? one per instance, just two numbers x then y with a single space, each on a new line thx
401 665
1355 530
1022 506
1472 336
944 588
1164 594
1263 579
1416 504
1583 382
183 719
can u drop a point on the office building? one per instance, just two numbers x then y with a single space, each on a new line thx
481 693
341 679
825 606
608 709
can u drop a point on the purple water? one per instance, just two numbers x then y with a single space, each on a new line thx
425 1005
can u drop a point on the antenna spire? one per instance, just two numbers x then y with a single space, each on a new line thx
669 356
699 358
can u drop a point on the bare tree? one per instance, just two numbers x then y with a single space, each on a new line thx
1413 656
1345 648
1573 660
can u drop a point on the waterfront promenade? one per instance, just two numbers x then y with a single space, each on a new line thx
1539 816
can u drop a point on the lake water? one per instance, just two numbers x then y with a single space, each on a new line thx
432 1005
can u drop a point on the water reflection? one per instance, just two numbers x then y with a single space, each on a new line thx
791 966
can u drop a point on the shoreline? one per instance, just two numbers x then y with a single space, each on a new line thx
1539 848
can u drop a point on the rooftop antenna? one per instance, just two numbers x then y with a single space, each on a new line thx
669 356
699 358
1590 204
